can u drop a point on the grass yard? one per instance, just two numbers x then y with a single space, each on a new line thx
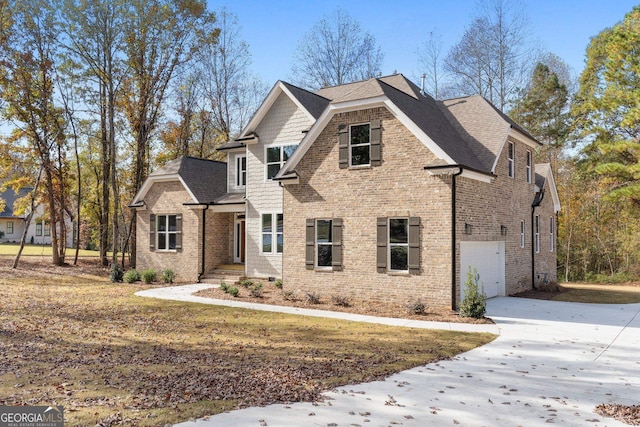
599 293
11 249
70 338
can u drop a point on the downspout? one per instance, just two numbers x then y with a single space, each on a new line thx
453 238
537 200
204 228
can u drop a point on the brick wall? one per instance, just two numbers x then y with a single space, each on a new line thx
219 239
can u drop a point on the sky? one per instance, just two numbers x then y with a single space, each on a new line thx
273 28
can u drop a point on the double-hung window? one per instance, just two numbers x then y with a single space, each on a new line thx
47 228
529 161
511 159
551 234
272 233
38 229
241 171
10 227
360 145
522 234
398 244
167 232
324 243
537 233
276 158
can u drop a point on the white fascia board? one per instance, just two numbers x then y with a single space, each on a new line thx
262 110
495 162
297 102
228 208
157 179
477 176
524 138
554 191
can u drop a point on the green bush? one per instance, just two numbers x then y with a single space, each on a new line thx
116 273
131 276
474 303
168 275
417 307
278 284
246 283
149 275
231 290
256 290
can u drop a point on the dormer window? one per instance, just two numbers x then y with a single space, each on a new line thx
276 158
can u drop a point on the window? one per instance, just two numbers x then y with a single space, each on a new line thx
241 171
272 231
551 239
528 167
522 234
511 160
47 229
398 245
10 227
359 145
324 243
167 232
38 229
537 235
276 158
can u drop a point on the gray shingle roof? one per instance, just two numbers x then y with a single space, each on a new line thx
10 198
206 179
314 103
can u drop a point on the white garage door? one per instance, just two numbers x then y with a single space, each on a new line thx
489 261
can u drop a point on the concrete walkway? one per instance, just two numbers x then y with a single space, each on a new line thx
552 363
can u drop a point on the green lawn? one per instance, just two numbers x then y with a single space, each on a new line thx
11 249
599 293
74 339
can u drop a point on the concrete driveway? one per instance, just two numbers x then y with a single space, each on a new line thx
552 363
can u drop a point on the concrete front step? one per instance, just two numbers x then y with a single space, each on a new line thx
218 276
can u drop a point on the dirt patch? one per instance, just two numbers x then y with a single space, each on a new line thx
274 296
627 414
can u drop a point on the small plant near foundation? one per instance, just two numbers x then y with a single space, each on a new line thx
313 298
149 275
116 273
417 306
474 303
341 300
131 276
289 296
168 275
256 290
246 283
229 289
278 284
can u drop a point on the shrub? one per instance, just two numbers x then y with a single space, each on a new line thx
149 275
168 275
313 298
246 283
278 284
116 273
474 303
256 290
289 295
231 290
131 276
417 307
341 300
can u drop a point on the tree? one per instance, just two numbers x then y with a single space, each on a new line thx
336 51
543 111
430 62
28 76
161 36
607 108
493 56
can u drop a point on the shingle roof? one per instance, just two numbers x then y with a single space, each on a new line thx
312 102
10 198
206 179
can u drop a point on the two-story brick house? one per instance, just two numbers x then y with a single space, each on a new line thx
376 191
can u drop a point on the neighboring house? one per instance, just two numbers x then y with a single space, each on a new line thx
370 190
12 225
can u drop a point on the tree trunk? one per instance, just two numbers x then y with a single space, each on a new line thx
27 221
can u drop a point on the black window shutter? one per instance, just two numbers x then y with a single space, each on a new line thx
414 245
376 146
179 232
311 243
343 146
382 245
152 232
336 247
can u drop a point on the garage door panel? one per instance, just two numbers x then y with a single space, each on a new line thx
488 259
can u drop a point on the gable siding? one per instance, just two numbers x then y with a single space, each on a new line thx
168 198
283 125
487 206
399 187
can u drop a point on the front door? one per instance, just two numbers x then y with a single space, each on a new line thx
239 240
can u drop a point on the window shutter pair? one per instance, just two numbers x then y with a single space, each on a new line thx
374 138
336 244
383 248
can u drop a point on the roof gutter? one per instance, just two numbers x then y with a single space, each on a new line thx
454 236
204 228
